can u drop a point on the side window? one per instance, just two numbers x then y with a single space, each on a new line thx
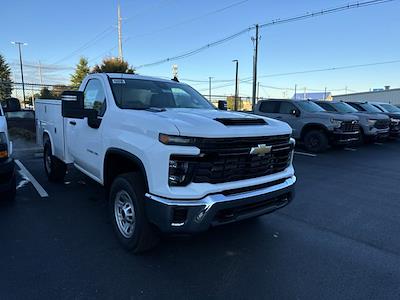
286 108
94 96
269 107
326 106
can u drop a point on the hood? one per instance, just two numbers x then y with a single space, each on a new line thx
337 116
393 115
203 123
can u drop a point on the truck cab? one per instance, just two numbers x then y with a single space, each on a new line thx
313 126
7 166
169 160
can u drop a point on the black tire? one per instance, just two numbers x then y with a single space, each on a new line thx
315 141
54 168
141 236
11 194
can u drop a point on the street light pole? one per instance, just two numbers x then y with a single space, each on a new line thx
20 63
236 83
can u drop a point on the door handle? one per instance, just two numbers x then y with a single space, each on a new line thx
72 123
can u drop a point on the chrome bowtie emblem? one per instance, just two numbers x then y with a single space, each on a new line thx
261 150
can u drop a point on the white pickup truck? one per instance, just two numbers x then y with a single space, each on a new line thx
7 167
169 160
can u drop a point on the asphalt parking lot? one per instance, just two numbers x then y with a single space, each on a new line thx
339 239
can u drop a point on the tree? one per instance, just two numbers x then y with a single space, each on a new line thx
58 89
81 70
113 65
5 79
45 93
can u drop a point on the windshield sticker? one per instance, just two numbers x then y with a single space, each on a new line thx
118 81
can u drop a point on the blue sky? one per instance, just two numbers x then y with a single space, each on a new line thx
155 29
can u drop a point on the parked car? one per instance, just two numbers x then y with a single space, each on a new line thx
379 124
167 157
313 126
393 113
368 130
7 167
24 119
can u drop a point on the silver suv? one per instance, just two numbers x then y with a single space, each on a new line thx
314 127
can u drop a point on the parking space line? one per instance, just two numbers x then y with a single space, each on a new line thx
32 179
379 144
305 154
350 149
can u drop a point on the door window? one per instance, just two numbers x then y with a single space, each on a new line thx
326 106
286 108
270 107
94 97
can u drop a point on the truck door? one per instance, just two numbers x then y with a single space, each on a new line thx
289 113
84 141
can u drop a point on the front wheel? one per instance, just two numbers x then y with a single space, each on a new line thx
55 169
316 141
126 206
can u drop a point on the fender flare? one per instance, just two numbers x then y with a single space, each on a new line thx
46 132
128 155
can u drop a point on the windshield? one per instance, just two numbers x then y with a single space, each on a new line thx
369 108
144 94
390 108
310 106
344 108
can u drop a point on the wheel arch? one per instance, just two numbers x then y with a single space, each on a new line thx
313 126
118 161
47 136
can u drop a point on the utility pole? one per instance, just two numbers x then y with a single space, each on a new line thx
209 87
255 58
325 94
120 57
295 92
236 84
20 63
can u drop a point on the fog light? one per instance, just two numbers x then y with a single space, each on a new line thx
3 154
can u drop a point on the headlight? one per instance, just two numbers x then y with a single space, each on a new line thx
176 140
3 145
336 123
397 121
180 170
372 122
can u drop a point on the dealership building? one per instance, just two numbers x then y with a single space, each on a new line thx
382 95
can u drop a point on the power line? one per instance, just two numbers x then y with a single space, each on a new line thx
272 23
247 79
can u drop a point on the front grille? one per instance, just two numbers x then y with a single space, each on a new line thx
382 124
350 126
226 160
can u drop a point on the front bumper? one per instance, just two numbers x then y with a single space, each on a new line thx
345 138
7 173
191 216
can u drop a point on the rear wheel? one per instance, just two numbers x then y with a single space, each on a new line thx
127 212
315 141
54 168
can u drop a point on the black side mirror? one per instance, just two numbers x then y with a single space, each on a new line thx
295 112
93 119
72 104
222 105
11 105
